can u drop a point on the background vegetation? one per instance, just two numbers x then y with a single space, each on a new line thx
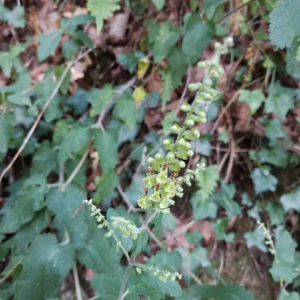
90 90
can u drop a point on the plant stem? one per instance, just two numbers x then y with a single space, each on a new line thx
77 283
124 281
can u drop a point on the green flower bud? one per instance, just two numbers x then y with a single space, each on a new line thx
199 99
197 119
182 164
162 177
156 166
188 145
208 97
155 197
159 158
176 166
185 107
182 142
188 135
207 81
201 113
193 87
167 144
150 160
170 157
195 132
175 128
190 123
190 153
202 64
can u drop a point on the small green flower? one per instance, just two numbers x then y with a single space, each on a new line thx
162 177
149 181
143 202
164 203
155 197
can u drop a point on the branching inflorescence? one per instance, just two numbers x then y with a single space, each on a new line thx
162 182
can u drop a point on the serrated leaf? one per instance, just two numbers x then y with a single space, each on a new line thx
276 213
76 141
106 143
100 99
64 205
171 288
167 37
284 23
254 99
256 238
105 185
284 270
130 60
203 208
263 180
48 43
44 267
167 87
207 180
140 243
126 110
291 200
292 59
22 205
29 232
102 10
169 221
284 295
197 36
178 64
223 292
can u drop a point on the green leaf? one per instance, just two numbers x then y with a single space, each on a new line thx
263 180
140 243
69 49
100 99
256 238
64 87
44 267
284 270
76 141
48 43
167 37
168 121
16 16
285 247
210 4
284 23
291 200
224 292
276 213
167 260
29 232
126 110
167 87
197 36
276 156
102 10
159 4
171 288
169 221
19 99
207 181
105 185
223 136
292 59
71 24
22 205
6 63
280 100
178 64
64 205
274 129
106 143
130 60
82 36
254 99
219 227
194 237
5 133
44 159
99 255
284 295
203 208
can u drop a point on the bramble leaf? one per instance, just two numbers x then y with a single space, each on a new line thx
291 200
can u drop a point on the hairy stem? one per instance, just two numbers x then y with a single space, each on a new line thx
124 281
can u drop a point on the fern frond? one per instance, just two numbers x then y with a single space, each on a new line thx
167 87
207 181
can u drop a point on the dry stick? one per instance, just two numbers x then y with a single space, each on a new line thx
9 273
188 79
118 94
77 283
224 110
32 129
127 201
231 159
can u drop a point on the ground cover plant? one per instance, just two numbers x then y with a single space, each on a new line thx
149 150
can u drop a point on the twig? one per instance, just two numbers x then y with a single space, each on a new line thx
233 11
127 201
110 102
124 281
77 283
235 96
190 273
9 273
188 79
231 159
35 124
